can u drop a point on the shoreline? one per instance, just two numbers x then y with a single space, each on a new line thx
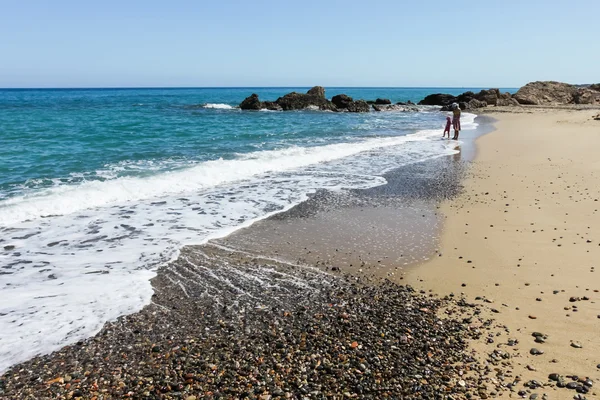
523 238
234 289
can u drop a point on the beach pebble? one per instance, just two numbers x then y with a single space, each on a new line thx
576 345
536 352
554 377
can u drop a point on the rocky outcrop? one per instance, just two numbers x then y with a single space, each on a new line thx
271 105
342 100
595 86
507 102
438 99
318 91
556 93
300 101
383 101
359 106
538 93
395 107
472 104
251 103
314 99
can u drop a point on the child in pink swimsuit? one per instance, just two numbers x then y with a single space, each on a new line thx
447 129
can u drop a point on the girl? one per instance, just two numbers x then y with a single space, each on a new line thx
447 129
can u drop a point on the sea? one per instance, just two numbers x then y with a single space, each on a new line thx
101 187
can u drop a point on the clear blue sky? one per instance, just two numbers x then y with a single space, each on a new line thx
69 43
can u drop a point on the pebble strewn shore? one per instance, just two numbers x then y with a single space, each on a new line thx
269 330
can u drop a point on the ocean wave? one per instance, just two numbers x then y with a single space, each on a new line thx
218 106
67 199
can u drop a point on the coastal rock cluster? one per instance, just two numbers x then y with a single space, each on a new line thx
470 100
315 99
557 93
533 93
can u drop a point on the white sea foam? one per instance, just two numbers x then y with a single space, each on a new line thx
218 106
83 254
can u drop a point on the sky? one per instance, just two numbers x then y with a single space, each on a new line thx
200 43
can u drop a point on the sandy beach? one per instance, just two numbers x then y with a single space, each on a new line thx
525 234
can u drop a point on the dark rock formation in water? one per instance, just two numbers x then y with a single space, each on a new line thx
438 99
314 99
300 101
342 100
318 91
383 101
251 103
359 106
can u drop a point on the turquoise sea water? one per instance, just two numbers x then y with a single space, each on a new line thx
99 187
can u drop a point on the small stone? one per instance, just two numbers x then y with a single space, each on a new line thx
572 385
531 368
576 345
532 317
574 299
554 377
536 352
462 383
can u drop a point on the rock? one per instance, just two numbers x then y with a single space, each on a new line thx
465 97
9 247
299 101
596 117
341 100
490 96
251 103
474 103
383 101
574 299
507 102
576 345
359 106
555 93
586 96
554 377
572 385
317 91
536 352
438 99
595 86
271 105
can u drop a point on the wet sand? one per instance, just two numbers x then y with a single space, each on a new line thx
525 234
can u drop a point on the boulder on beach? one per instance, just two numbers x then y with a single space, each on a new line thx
359 106
595 86
251 102
318 91
438 99
342 100
490 96
507 102
556 93
383 101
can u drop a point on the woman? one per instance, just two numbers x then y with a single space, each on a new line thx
456 120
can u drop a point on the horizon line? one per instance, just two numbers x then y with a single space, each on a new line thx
250 87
